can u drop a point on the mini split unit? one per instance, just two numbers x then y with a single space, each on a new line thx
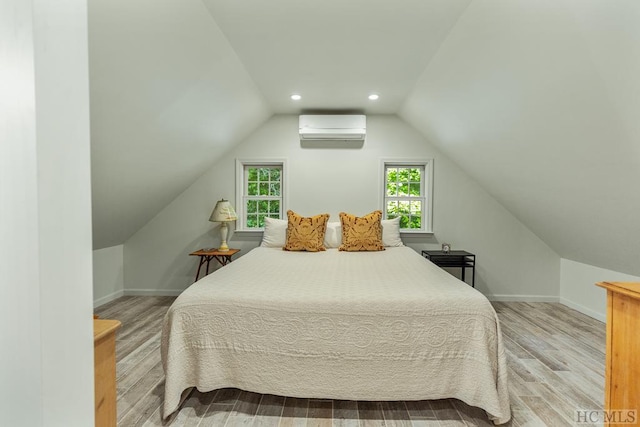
333 127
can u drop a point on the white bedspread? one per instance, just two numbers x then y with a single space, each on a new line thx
384 325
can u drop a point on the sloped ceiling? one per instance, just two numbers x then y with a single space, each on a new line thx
168 97
537 100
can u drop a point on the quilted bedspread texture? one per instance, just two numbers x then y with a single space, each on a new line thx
385 325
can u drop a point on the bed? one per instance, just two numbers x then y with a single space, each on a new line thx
386 325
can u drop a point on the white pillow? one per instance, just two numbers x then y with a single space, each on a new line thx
391 232
333 235
275 233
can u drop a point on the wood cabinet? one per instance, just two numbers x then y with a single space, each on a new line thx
622 365
104 348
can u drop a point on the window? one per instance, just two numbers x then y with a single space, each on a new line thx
259 190
408 194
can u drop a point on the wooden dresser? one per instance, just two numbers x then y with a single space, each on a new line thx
622 366
104 348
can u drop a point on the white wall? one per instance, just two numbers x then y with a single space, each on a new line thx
578 290
45 258
64 198
20 368
512 262
108 274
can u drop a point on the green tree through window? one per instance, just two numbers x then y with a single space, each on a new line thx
405 194
263 197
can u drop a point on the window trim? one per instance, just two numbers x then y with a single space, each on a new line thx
427 185
284 189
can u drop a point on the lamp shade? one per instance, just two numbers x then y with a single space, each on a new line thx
223 212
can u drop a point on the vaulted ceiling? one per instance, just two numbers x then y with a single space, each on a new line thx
537 100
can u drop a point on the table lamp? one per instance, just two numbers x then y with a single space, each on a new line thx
223 213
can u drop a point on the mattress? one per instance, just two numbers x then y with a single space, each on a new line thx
386 325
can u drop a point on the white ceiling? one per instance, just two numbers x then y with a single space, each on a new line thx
537 100
335 52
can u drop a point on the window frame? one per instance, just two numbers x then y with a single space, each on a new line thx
426 188
241 185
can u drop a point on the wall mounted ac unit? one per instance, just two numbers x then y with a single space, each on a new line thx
333 127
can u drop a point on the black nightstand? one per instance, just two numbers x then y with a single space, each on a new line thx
455 259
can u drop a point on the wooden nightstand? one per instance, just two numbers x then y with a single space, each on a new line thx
456 259
206 255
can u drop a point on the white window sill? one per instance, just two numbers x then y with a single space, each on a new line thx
249 233
416 233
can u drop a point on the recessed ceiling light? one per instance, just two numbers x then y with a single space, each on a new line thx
296 97
373 97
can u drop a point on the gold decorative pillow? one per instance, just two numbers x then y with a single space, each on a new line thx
305 234
361 233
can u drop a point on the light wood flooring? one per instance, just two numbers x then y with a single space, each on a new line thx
555 358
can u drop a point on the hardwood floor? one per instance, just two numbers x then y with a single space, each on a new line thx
555 357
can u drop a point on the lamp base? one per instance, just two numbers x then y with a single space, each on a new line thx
223 238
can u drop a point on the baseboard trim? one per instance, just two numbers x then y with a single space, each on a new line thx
153 292
523 298
584 310
107 298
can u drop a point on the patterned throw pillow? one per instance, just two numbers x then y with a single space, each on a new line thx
361 233
305 234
